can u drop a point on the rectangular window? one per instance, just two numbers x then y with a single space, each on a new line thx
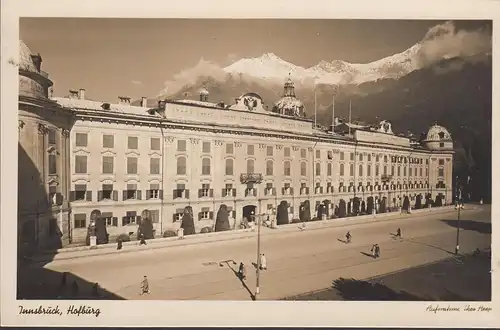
155 143
52 137
352 156
181 145
229 148
369 170
227 192
81 139
360 157
303 153
441 172
129 218
133 142
421 172
269 151
318 154
108 218
351 169
131 192
131 165
206 147
52 164
250 150
80 192
81 164
80 220
205 190
342 155
108 141
107 191
287 152
441 162
369 157
107 165
154 191
154 166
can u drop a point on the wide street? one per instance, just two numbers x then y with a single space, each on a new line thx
298 261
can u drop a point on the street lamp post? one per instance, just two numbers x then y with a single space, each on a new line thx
255 178
458 203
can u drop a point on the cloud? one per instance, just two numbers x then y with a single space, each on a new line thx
190 77
136 82
445 41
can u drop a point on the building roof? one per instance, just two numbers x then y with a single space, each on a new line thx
438 133
25 60
76 104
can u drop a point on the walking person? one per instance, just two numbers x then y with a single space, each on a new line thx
348 237
119 244
242 271
143 240
377 251
145 286
398 232
373 250
263 262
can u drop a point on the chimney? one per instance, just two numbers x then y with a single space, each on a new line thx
73 94
144 102
81 94
37 60
124 99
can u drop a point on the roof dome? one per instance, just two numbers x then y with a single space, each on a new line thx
203 91
289 105
438 133
25 60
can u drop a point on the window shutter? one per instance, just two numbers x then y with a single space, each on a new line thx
174 218
115 195
99 195
211 215
124 195
291 191
199 216
139 194
161 194
59 199
89 196
187 193
72 196
282 191
200 193
255 192
115 221
223 193
234 192
124 221
148 193
211 192
174 194
307 190
138 219
274 191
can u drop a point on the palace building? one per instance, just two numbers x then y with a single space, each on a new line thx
120 159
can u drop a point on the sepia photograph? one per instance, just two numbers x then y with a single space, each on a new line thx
252 160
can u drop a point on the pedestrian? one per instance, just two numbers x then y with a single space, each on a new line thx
263 262
145 286
143 240
242 271
119 244
373 251
75 288
377 251
398 233
348 237
95 290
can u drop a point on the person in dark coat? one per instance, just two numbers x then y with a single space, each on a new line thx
242 271
143 240
398 233
145 286
377 251
120 244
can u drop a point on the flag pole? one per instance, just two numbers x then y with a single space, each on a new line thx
315 107
349 117
333 112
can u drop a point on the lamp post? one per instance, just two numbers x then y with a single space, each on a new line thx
255 178
458 203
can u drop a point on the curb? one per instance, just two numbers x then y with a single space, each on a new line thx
230 235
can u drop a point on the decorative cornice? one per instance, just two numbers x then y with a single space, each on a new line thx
238 144
218 143
194 141
169 139
21 124
65 132
42 129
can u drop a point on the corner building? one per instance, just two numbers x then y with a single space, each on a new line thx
124 159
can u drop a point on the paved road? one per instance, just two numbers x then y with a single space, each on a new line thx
298 262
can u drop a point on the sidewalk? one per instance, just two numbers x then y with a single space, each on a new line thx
86 251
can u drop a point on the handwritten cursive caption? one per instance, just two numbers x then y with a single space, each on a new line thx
467 308
55 310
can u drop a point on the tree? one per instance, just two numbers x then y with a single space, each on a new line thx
418 202
145 226
406 203
342 209
187 222
282 213
369 205
222 219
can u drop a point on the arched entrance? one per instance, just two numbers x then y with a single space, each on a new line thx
249 212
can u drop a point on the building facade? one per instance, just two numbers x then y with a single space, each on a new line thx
124 159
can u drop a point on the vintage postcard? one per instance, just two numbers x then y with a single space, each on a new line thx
249 164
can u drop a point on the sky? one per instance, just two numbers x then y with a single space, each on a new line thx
134 57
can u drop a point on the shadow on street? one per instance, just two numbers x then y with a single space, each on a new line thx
229 264
478 226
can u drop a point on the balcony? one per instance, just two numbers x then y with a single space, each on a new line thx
251 178
386 177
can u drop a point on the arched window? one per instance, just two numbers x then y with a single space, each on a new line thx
377 170
286 168
181 166
318 169
229 166
385 170
250 166
329 169
399 170
369 170
341 169
205 166
269 167
351 169
360 170
303 169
